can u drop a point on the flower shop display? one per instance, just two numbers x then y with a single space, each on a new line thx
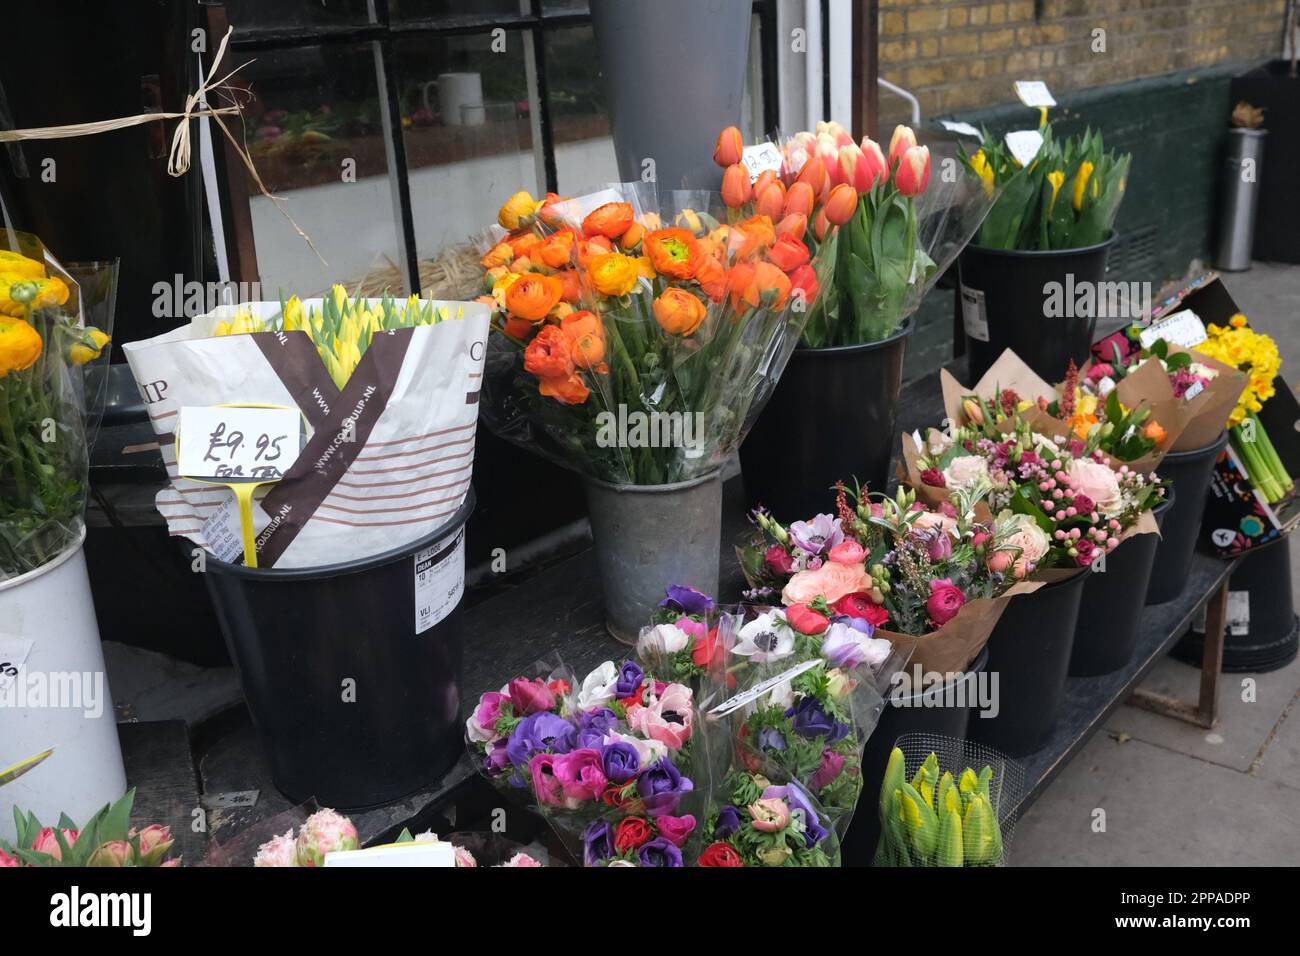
106 839
637 333
361 521
832 416
47 408
1050 228
610 761
943 816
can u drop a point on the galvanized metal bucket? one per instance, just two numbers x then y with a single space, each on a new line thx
1243 166
651 536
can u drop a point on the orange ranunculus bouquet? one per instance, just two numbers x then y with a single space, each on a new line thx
638 331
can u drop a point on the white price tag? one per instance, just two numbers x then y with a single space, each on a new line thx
762 687
1183 328
1238 613
439 580
974 315
221 530
962 129
13 654
237 442
1024 144
396 854
1034 93
761 157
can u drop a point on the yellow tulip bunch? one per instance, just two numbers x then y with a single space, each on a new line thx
342 328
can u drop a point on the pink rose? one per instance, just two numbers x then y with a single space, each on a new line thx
46 842
668 719
1096 481
546 786
934 519
675 829
778 559
831 581
580 775
945 601
848 551
1029 540
831 765
1099 371
530 696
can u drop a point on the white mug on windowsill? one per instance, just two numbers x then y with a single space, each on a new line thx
460 99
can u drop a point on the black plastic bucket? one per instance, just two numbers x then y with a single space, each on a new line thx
1269 636
1003 298
1111 610
830 418
355 706
905 714
1189 471
1029 651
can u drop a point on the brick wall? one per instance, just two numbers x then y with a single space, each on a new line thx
959 54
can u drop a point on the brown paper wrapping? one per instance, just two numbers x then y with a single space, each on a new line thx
953 647
1009 371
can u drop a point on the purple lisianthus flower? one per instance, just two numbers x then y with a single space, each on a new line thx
540 733
687 600
594 726
801 803
659 852
620 761
728 822
817 536
597 842
810 720
661 787
769 738
630 676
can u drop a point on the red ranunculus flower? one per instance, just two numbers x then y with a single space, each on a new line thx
946 599
861 605
778 559
720 854
708 651
631 833
933 477
559 687
805 620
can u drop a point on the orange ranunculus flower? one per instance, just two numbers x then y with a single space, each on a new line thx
556 250
766 286
571 283
569 390
678 312
517 211
788 253
710 274
20 345
739 277
533 295
518 328
549 212
730 147
586 338
632 238
502 285
588 249
498 255
645 268
610 220
736 188
753 235
524 244
670 252
613 274
1156 432
549 355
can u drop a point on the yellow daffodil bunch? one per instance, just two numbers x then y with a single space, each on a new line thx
1243 348
341 328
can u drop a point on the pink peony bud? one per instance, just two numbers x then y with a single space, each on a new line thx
324 832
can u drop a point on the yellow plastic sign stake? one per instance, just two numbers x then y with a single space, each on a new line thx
10 774
241 447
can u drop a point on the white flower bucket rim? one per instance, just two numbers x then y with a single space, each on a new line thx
63 556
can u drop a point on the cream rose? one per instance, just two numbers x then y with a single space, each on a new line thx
966 472
1096 481
1031 541
831 581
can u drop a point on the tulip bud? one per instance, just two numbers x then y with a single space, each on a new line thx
902 140
814 174
856 170
841 205
875 157
730 147
114 854
829 153
763 179
821 225
794 225
799 198
913 173
736 189
769 199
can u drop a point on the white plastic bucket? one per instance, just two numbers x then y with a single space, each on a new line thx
60 697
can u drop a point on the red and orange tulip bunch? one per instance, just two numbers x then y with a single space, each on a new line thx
629 308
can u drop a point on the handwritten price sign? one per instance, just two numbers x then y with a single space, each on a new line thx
238 442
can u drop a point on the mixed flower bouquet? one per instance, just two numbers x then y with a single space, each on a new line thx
903 231
618 745
641 331
682 641
1030 213
927 579
763 824
44 464
106 839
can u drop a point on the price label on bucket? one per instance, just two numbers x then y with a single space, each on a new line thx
241 447
439 580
